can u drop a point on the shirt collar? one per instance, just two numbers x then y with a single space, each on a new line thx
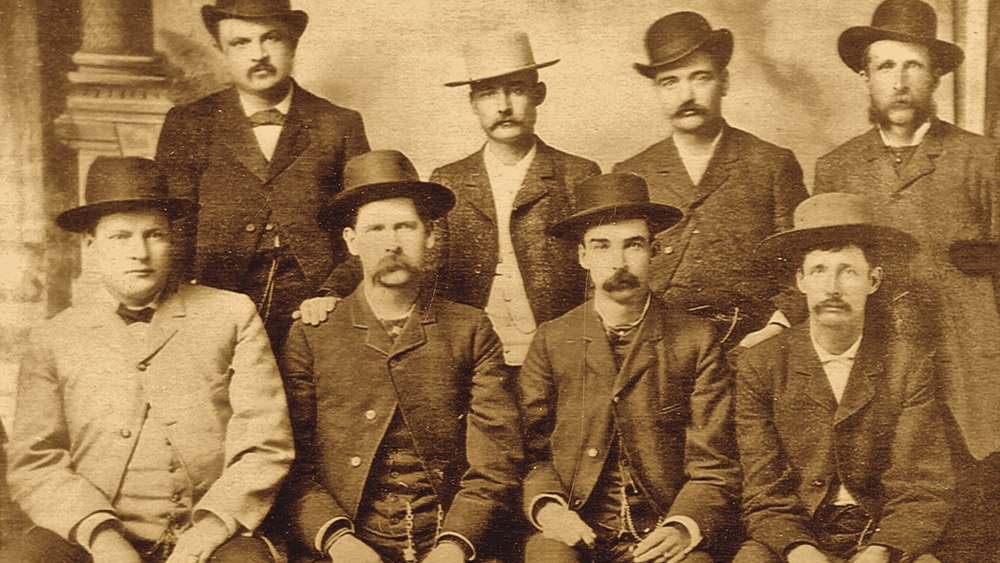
918 136
493 162
629 326
250 108
826 357
113 302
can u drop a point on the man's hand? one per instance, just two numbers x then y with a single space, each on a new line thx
200 541
349 549
109 546
665 544
314 311
560 523
446 552
873 554
758 336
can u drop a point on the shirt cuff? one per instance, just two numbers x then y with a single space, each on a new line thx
84 532
535 505
232 526
470 550
328 528
693 530
779 318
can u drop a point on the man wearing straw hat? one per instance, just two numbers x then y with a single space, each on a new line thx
402 408
734 188
151 422
839 425
626 406
262 158
939 183
495 254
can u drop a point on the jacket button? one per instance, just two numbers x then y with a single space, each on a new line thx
355 461
269 227
695 232
125 432
592 452
668 250
615 399
577 503
370 414
141 366
817 482
176 497
250 227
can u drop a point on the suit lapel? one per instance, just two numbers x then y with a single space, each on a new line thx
414 334
642 356
294 136
538 179
233 128
860 388
163 326
362 318
718 170
808 372
477 189
601 372
676 189
923 160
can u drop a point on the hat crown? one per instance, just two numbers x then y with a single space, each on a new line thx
910 17
676 33
832 210
112 179
378 167
609 190
253 8
496 54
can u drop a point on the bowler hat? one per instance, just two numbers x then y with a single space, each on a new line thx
497 54
909 21
254 9
116 184
384 174
838 218
609 198
677 35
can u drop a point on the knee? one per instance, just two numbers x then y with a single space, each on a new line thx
243 549
540 549
755 552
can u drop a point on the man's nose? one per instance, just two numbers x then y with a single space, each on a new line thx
901 82
503 102
138 248
258 52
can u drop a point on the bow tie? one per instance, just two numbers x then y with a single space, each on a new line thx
130 316
267 117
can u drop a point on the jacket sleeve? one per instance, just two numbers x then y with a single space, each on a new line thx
40 473
258 444
355 139
180 157
772 509
493 443
344 278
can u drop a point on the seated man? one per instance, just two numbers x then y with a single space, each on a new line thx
627 410
841 437
402 409
151 422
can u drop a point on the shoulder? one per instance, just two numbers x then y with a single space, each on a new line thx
977 145
851 149
753 146
651 154
773 352
565 159
323 109
200 108
207 302
682 326
458 312
461 167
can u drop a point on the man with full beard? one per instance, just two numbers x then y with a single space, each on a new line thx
408 432
939 183
627 410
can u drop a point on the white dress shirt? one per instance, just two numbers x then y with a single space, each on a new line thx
267 135
838 369
697 164
918 136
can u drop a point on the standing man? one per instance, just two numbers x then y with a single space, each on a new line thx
938 182
733 188
627 410
400 402
261 158
495 253
839 426
151 424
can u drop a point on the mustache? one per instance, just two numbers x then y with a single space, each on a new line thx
505 121
879 114
263 65
691 106
620 281
832 304
394 263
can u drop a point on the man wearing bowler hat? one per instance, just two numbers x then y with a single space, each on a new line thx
495 254
939 183
733 188
401 406
626 406
151 422
261 158
840 429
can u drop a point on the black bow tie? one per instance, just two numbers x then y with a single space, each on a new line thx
130 316
267 117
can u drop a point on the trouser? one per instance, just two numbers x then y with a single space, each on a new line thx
38 545
973 534
607 549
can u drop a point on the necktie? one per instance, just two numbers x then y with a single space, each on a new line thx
267 117
130 316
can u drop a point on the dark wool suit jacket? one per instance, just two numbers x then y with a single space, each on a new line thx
885 441
748 192
949 191
445 373
210 154
671 401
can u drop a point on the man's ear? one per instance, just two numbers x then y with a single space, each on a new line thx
349 235
539 93
431 239
874 279
581 257
800 277
724 81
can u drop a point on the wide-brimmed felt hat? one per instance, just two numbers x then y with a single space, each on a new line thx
384 174
909 21
496 54
254 9
677 35
117 184
833 218
611 198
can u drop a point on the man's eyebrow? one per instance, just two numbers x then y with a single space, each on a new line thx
598 240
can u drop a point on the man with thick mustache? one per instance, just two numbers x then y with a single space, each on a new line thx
401 406
733 188
626 405
261 158
940 184
839 425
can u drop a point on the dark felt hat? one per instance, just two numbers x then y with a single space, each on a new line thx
116 184
384 174
609 198
677 35
254 9
909 21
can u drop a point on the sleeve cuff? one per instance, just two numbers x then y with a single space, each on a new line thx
779 318
328 528
470 550
693 530
84 532
232 526
535 505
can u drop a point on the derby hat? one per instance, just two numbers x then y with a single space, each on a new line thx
384 174
253 9
498 54
909 21
117 184
677 35
837 218
610 198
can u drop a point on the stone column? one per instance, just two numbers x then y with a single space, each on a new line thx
972 33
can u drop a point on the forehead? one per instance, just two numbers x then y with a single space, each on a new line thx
523 78
139 220
695 62
387 211
898 51
236 27
850 255
620 230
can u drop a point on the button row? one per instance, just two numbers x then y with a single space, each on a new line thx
251 227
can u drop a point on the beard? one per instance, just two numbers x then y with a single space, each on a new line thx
622 280
393 263
881 115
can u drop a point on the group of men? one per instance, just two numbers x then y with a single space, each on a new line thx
522 358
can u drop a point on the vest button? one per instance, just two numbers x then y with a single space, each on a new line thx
269 227
141 366
355 461
125 432
370 414
668 250
817 482
592 452
250 227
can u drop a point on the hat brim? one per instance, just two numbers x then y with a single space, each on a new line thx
784 251
660 217
718 42
83 218
434 199
505 73
210 16
853 43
